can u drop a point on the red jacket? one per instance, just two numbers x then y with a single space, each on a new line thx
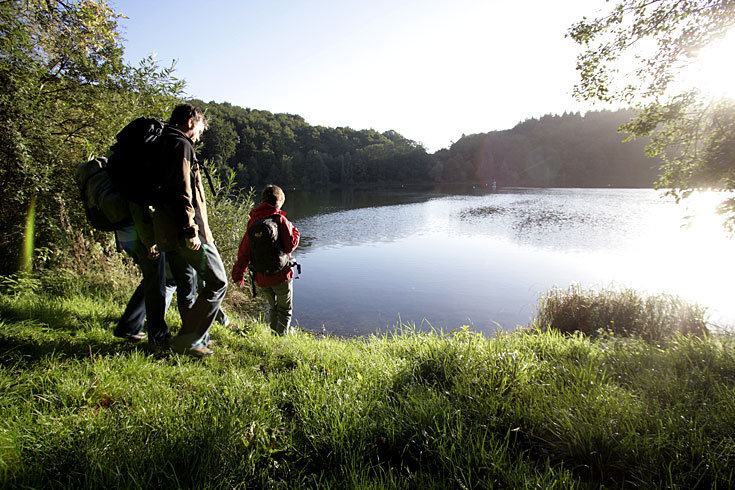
289 236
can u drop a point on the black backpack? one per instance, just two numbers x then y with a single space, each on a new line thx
266 252
105 207
133 165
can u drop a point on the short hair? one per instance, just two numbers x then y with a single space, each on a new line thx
273 195
182 113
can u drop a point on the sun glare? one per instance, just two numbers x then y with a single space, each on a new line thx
714 71
691 266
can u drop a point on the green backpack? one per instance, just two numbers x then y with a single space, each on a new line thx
105 207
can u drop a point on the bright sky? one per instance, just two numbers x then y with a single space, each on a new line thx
429 69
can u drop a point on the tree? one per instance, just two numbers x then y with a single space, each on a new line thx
64 93
635 54
220 141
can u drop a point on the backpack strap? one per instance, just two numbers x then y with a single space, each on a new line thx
292 262
209 178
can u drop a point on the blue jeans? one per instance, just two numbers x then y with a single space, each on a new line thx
187 294
185 288
280 299
197 319
148 300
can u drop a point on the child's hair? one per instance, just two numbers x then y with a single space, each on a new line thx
273 195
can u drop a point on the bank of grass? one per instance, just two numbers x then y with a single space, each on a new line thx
536 408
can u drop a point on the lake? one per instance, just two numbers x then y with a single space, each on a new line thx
444 258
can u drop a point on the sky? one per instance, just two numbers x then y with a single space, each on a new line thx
430 70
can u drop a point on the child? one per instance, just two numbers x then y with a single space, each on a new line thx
266 248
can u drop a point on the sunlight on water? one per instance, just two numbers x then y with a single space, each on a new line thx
686 252
483 260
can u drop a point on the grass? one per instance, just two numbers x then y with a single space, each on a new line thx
620 312
535 408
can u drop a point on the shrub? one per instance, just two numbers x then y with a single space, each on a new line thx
228 213
624 313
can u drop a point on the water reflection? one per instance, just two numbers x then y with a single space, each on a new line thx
303 204
482 258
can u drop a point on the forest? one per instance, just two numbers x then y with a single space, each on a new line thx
571 150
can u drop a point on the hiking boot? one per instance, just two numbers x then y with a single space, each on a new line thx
133 337
200 352
163 343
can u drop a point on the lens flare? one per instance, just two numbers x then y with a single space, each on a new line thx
28 241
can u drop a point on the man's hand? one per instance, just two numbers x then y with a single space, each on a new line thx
153 253
193 243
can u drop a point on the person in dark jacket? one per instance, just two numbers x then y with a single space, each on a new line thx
182 230
148 301
277 288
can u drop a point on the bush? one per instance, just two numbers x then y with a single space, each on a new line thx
624 313
228 212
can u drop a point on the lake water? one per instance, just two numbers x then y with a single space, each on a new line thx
446 258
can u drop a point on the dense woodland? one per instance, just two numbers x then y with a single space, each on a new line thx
571 150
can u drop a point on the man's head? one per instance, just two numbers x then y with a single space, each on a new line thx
189 119
273 195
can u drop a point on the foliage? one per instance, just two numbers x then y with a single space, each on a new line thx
262 147
407 410
567 150
571 150
228 211
624 313
64 93
655 39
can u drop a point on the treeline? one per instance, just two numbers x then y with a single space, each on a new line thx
282 148
571 150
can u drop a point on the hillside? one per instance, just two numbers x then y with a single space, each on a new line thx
571 150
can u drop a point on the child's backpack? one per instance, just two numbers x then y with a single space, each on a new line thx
266 252
105 207
133 165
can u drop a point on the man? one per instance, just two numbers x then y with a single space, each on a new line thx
148 300
182 231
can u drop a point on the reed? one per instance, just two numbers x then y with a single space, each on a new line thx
619 312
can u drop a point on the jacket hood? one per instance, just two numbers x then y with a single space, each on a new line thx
265 210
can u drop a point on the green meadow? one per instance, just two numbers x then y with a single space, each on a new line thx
534 408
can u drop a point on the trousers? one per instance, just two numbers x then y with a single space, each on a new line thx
197 320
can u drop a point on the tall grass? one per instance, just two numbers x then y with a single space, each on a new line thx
619 312
405 410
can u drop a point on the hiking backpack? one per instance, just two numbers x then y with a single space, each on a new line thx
266 252
133 164
105 207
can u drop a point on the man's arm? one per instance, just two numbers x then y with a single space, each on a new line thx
143 223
